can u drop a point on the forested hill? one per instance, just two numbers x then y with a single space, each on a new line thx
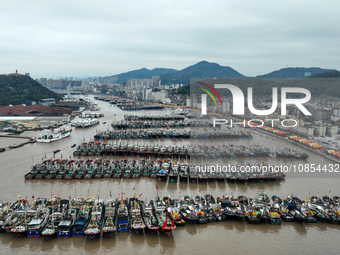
17 89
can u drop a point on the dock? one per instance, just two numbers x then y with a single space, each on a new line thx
15 136
28 139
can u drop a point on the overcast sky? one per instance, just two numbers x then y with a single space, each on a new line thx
101 38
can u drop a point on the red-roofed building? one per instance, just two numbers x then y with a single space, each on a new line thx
32 110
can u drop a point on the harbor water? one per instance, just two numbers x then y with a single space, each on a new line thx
232 237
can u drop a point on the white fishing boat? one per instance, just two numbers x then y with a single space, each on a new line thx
53 135
91 114
86 123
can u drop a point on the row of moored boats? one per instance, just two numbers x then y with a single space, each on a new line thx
164 170
63 218
193 151
171 133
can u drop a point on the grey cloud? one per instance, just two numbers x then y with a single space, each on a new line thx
77 38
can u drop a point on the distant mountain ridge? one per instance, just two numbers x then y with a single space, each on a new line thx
203 69
142 73
330 74
294 72
18 89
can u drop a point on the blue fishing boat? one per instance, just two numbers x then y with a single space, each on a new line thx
37 224
83 218
65 226
122 215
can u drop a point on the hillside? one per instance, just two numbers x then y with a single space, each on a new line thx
330 74
294 72
263 87
142 73
18 89
202 69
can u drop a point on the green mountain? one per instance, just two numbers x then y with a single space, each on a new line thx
143 73
17 89
294 72
262 87
202 69
330 74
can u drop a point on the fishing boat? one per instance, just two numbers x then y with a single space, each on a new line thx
109 227
173 173
275 218
183 171
18 217
86 123
165 222
58 209
50 230
5 212
148 216
95 226
226 209
65 226
285 213
49 136
174 212
319 212
122 216
137 223
188 213
39 221
161 174
253 216
83 218
261 208
20 228
310 216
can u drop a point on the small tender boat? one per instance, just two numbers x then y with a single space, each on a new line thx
275 218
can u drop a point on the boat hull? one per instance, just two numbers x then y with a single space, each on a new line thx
92 236
64 234
123 229
49 237
78 233
275 221
19 234
31 233
108 234
137 230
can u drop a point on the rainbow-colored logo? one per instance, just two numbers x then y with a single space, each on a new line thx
209 93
